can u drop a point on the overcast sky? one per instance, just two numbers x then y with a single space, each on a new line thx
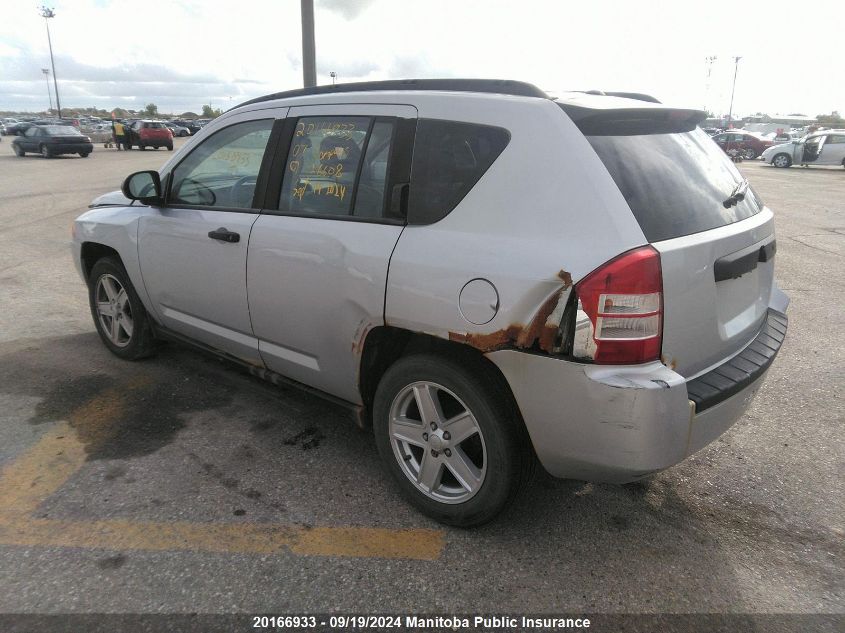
181 54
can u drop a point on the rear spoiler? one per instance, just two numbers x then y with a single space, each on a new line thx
631 121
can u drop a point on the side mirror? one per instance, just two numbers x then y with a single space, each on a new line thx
143 186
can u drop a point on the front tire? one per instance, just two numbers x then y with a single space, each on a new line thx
119 316
45 151
452 438
141 146
782 160
18 151
84 154
170 148
750 154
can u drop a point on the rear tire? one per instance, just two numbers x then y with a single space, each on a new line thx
170 148
750 154
141 146
84 154
119 316
495 454
782 160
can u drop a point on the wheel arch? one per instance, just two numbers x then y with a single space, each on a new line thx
91 252
384 345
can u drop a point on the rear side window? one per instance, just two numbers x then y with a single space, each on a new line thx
449 158
674 183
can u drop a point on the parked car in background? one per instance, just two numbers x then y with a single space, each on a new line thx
826 147
192 126
711 130
622 322
16 129
52 140
178 130
748 144
146 134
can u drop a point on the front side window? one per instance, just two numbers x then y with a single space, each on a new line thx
222 171
836 139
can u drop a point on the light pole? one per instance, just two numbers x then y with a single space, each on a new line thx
46 72
709 60
48 13
731 109
309 65
333 75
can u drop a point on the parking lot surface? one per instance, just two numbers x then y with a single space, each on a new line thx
180 484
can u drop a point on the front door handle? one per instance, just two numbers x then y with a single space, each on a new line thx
225 235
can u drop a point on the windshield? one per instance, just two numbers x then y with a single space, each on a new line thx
62 130
674 183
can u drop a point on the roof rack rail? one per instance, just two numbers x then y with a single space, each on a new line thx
497 86
639 96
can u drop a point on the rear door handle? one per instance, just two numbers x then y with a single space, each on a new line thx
225 235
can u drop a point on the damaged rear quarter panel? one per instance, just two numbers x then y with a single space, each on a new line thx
544 215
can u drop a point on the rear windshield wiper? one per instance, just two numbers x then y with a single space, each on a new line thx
738 194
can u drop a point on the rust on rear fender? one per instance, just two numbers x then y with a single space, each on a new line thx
541 329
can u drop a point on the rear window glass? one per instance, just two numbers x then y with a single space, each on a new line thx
62 130
449 158
674 183
154 125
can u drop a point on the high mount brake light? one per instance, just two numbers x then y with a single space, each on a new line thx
624 302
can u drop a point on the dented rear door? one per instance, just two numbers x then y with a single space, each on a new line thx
317 263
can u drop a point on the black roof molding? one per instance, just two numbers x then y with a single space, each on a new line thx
496 86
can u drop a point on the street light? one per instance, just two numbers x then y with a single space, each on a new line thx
48 13
709 60
333 75
731 109
46 72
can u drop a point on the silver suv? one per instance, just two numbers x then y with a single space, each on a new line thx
489 277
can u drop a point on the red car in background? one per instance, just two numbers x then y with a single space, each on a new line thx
146 134
749 145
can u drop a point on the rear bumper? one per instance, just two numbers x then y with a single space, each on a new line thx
618 424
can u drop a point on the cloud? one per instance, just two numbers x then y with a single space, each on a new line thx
349 9
22 68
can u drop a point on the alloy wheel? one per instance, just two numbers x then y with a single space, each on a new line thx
437 442
114 310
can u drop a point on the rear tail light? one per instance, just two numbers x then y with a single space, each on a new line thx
623 300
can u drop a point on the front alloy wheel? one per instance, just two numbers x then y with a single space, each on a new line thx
114 310
781 160
120 317
437 442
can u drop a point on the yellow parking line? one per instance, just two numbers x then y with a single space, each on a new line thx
40 472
